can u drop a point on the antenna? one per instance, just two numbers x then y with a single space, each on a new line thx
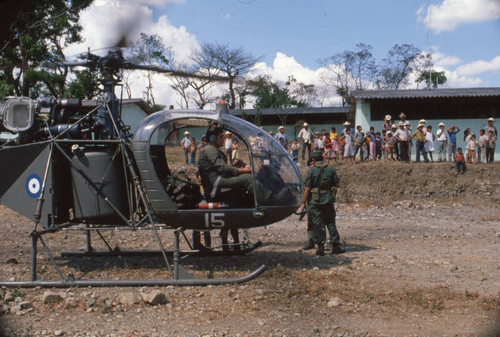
429 42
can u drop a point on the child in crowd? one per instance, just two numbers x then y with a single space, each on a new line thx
202 144
390 141
334 137
490 146
378 146
192 148
371 139
481 146
328 154
295 150
235 153
348 147
471 150
460 161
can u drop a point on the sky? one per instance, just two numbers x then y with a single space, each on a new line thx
463 36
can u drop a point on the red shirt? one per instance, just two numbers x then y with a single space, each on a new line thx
459 157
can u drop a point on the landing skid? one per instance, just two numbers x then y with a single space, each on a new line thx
197 253
180 276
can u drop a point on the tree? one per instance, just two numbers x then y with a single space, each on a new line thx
37 33
233 63
268 94
397 66
350 69
151 50
85 85
303 93
432 78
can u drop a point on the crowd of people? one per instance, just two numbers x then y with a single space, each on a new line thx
395 142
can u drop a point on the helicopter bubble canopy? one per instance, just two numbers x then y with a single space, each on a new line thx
277 179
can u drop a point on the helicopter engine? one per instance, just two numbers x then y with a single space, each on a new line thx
37 120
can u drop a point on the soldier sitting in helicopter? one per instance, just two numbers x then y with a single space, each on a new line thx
216 173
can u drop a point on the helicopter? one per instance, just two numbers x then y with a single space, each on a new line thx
74 169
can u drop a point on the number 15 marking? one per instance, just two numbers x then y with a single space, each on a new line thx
214 220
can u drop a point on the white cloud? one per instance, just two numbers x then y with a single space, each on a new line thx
107 20
455 80
443 60
452 13
479 67
226 16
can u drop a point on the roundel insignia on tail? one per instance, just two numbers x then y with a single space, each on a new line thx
34 185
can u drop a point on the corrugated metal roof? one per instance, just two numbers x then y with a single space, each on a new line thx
294 111
426 93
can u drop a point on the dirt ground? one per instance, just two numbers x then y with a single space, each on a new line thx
423 252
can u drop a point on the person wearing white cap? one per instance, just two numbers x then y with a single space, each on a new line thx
452 146
185 143
494 131
282 135
305 141
442 142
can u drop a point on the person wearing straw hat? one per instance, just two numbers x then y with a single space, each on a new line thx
402 137
494 130
419 137
305 141
185 144
442 141
282 135
387 123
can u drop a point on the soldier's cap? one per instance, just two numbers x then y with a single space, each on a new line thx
318 155
401 115
491 119
441 124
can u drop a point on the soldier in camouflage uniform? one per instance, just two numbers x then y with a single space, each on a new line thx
320 180
213 164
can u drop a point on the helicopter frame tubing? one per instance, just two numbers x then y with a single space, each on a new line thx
140 216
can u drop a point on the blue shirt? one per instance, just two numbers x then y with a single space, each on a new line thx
453 136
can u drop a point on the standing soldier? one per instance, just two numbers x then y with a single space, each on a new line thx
320 180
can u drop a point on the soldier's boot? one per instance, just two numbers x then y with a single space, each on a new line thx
309 245
321 249
336 249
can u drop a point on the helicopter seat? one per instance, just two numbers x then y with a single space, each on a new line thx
213 192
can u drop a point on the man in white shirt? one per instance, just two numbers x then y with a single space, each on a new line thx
442 142
228 146
185 142
305 140
402 137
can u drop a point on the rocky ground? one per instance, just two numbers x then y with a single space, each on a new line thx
422 259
